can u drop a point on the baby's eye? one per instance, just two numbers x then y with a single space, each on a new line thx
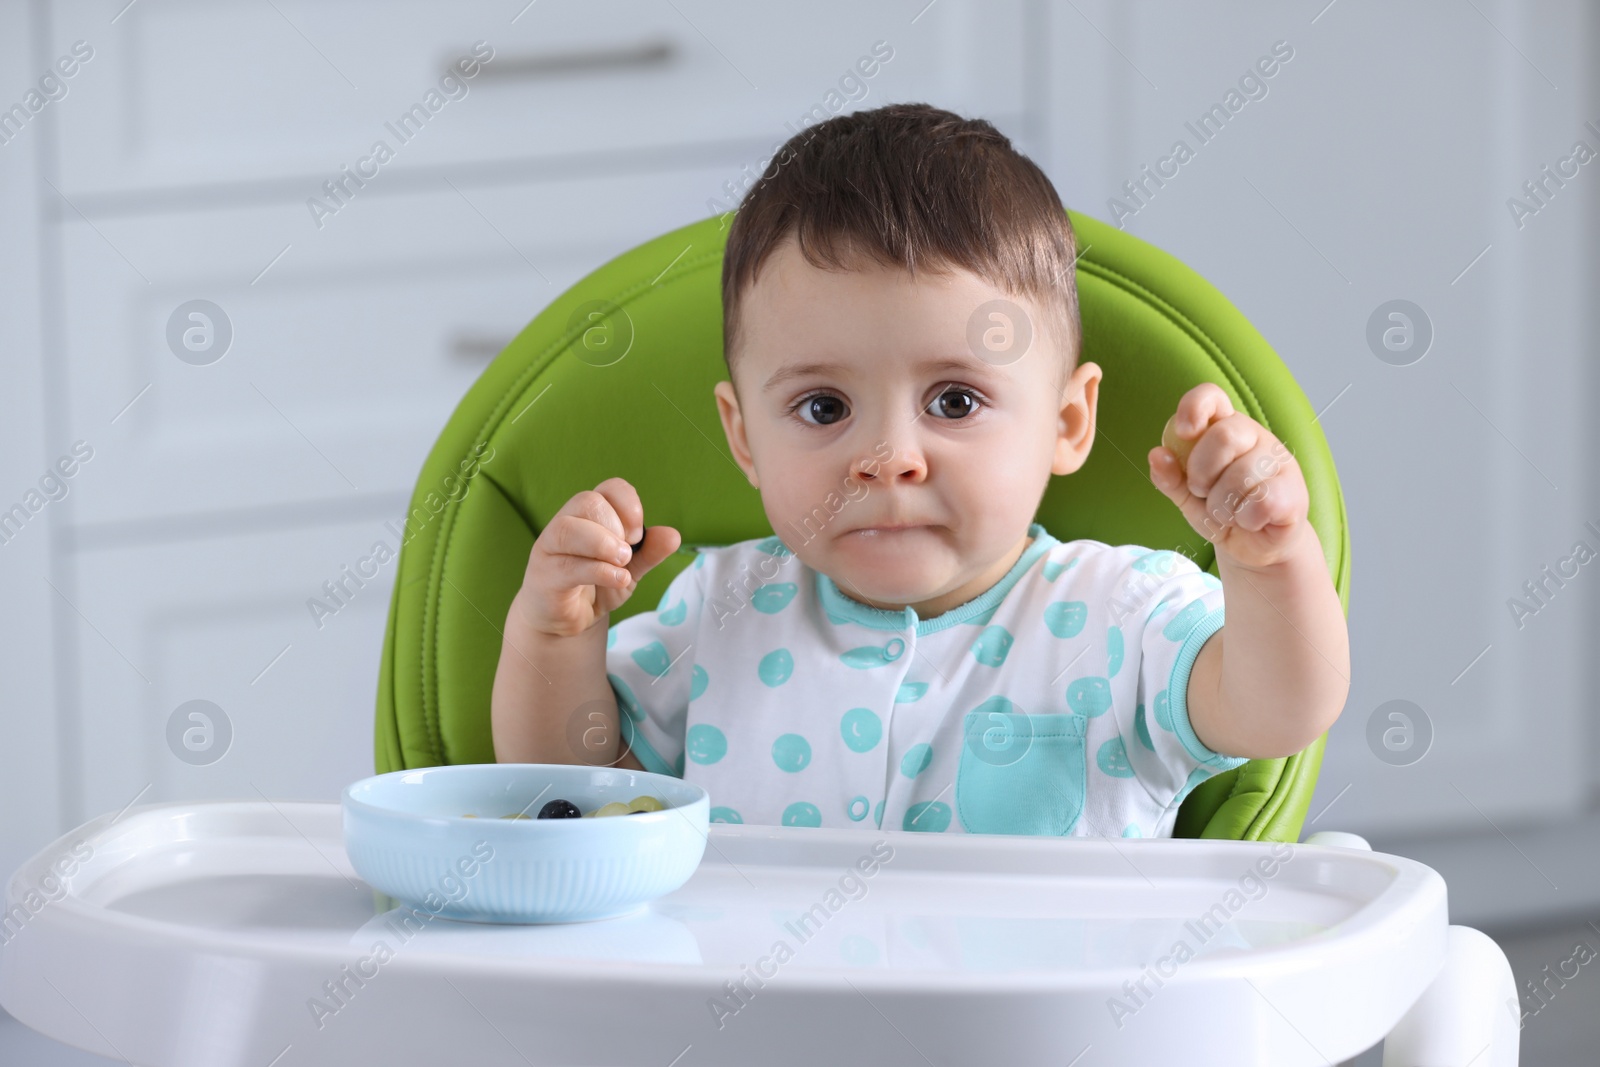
825 408
955 404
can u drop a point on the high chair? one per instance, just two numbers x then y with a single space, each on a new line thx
615 378
971 949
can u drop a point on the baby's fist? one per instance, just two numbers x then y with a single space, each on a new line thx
1236 483
583 564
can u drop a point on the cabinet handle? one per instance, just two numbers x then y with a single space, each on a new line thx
533 65
476 348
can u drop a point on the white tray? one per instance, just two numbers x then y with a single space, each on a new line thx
202 935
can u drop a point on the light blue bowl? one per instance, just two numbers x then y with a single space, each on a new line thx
406 835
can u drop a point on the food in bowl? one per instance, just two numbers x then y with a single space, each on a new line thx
566 809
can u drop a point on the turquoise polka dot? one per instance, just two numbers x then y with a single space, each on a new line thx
861 729
721 814
868 656
773 547
1090 696
1179 625
1163 712
699 561
611 637
1142 728
910 692
705 743
927 816
802 814
1159 562
1065 618
992 645
1114 651
698 680
1210 581
791 752
773 597
877 814
1113 759
858 951
625 698
673 615
859 806
916 760
653 658
776 666
1132 830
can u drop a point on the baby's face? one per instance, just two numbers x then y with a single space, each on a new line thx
861 404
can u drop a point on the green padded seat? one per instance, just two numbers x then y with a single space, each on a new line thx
614 378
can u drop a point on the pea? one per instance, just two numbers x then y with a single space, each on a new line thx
1180 447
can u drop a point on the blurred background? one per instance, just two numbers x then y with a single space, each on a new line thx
223 358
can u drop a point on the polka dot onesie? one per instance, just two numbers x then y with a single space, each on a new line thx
1054 703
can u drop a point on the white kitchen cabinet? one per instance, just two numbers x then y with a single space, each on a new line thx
181 164
225 620
1377 164
280 96
347 354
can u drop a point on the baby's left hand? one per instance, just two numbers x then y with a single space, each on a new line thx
1243 491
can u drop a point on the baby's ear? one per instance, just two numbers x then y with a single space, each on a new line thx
734 429
1076 420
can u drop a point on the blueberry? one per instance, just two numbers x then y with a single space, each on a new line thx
560 809
643 530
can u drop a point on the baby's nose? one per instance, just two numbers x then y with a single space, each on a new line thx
889 463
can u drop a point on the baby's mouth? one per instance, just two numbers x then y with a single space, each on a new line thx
875 532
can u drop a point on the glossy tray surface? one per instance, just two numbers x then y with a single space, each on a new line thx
908 948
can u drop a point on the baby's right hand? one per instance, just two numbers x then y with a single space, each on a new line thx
582 567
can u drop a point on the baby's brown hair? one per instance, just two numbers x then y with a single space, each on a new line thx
913 186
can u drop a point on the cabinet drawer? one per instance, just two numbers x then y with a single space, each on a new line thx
190 93
347 354
224 620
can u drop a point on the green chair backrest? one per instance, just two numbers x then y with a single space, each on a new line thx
615 378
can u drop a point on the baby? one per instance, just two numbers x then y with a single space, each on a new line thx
912 651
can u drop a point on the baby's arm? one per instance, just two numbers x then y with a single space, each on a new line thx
541 685
1276 676
552 702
